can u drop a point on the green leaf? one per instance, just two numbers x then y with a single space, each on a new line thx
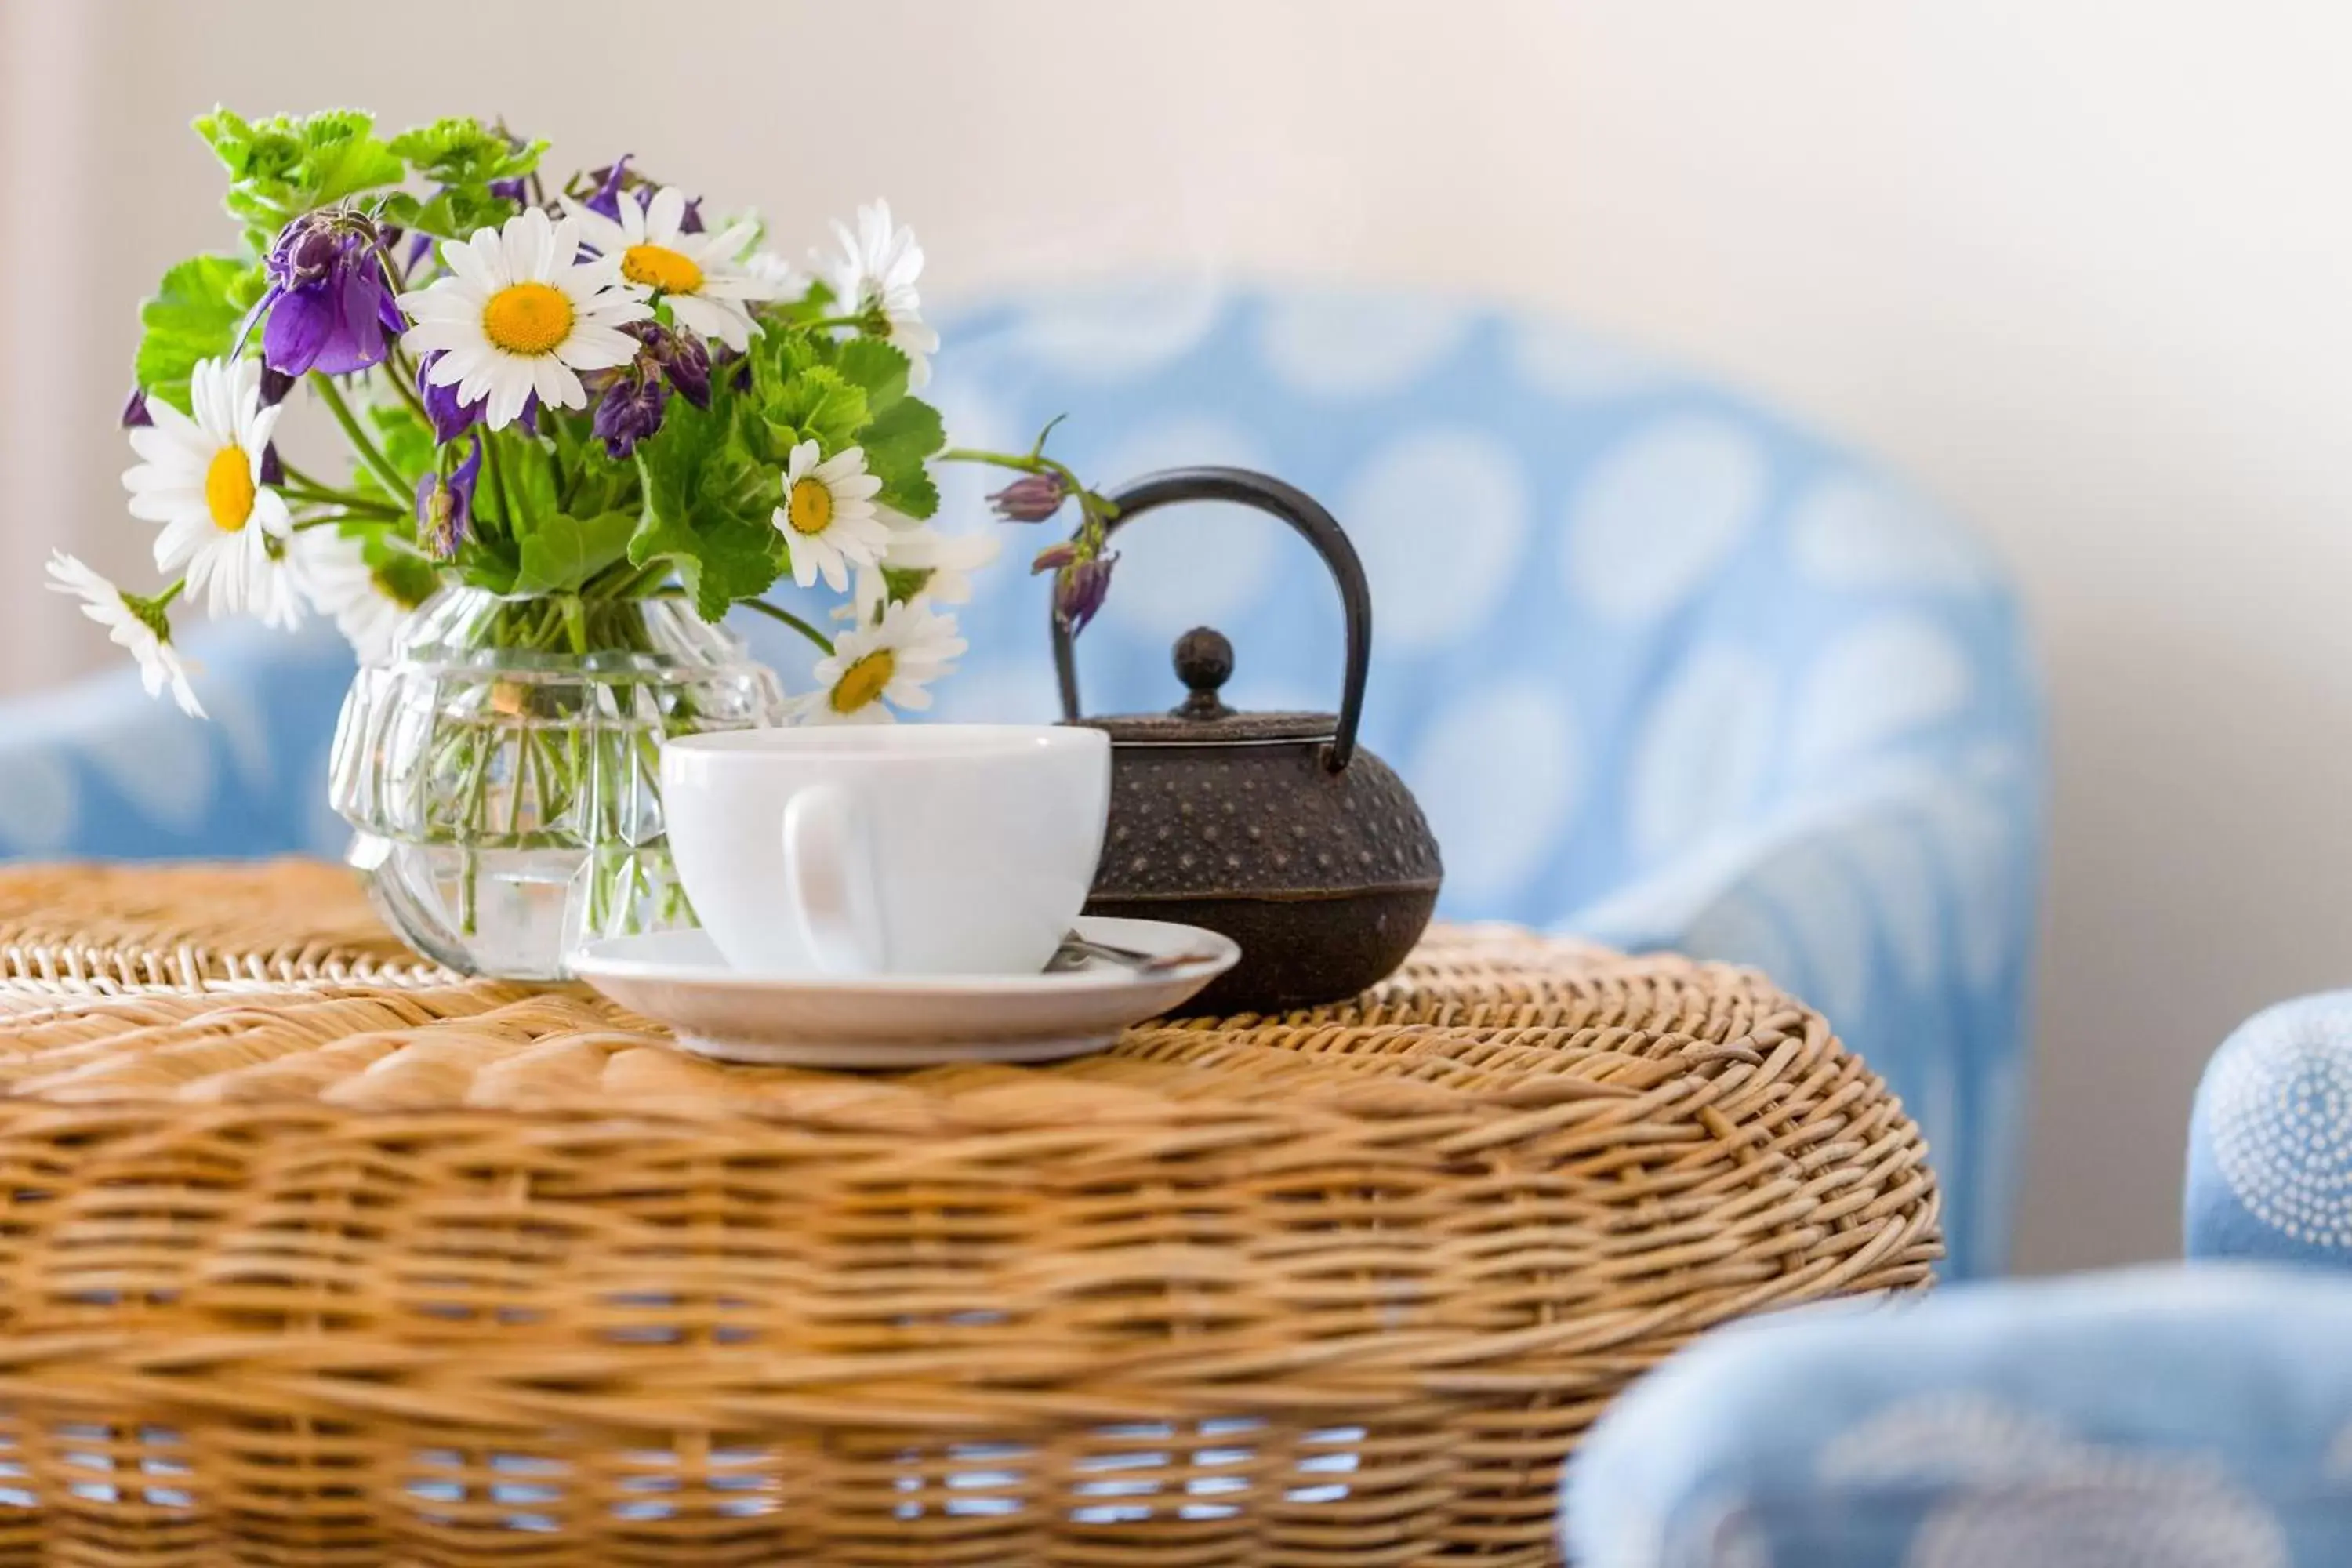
817 405
875 365
282 167
463 156
738 561
340 158
911 492
560 553
586 478
483 567
709 505
463 151
529 470
268 151
193 316
898 444
719 561
910 430
697 472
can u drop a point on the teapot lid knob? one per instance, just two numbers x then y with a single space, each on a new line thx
1205 661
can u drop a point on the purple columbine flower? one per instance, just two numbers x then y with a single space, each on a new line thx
274 386
1079 590
1033 498
445 507
612 180
273 466
630 410
451 418
606 197
135 410
688 368
636 396
329 302
517 190
681 357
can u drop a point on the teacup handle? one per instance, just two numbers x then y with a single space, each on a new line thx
829 881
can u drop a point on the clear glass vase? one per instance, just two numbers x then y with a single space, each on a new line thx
503 770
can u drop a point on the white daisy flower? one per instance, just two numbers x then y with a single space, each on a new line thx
886 665
275 590
201 478
519 313
877 270
138 626
709 287
949 558
341 584
828 515
781 280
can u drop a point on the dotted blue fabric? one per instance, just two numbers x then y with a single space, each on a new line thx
2194 1416
2270 1141
1665 668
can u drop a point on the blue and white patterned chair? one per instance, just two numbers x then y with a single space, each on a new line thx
2177 1417
1665 668
2270 1141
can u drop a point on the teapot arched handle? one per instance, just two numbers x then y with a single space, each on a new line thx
1267 494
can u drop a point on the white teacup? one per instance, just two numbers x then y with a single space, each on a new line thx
921 849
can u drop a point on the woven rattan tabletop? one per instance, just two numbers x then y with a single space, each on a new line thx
311 1254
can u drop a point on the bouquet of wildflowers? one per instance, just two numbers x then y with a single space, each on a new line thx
568 395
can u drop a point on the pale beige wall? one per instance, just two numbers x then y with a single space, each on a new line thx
2080 266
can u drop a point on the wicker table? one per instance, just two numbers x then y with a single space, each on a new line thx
314 1255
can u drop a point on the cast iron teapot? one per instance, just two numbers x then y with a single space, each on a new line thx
1273 828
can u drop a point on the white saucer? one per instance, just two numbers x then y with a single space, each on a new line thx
904 1020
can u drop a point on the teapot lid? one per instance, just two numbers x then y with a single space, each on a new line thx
1205 661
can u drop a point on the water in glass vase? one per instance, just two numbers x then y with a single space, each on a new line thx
503 769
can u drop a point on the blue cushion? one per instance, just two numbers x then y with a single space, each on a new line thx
99 769
2270 1141
2197 1417
1664 668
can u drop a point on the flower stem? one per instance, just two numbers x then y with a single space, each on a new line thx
377 463
625 581
1034 462
301 485
401 373
302 489
777 613
499 486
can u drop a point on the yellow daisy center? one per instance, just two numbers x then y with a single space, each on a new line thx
659 267
862 682
809 507
228 488
527 318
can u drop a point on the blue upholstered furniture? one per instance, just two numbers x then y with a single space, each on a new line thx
1663 666
2181 1417
2270 1141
